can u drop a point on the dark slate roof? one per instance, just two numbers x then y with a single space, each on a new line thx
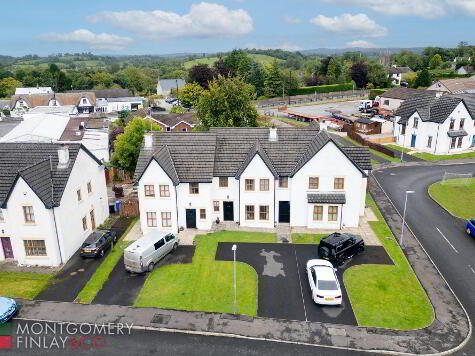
164 159
399 70
200 156
435 109
364 120
257 149
457 133
326 198
402 93
31 161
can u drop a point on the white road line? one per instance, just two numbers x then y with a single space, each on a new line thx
440 232
471 268
300 282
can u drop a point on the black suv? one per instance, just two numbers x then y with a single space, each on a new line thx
339 247
97 243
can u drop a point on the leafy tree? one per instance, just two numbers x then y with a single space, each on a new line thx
177 109
136 80
201 74
435 61
102 80
377 75
257 78
334 70
8 87
127 145
359 73
227 103
424 79
273 80
190 94
220 68
239 63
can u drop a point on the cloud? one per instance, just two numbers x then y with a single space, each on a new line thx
360 44
91 40
420 8
292 20
358 25
283 45
203 20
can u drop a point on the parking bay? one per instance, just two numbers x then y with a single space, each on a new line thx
283 288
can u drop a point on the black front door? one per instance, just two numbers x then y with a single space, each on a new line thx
7 247
284 211
228 211
191 218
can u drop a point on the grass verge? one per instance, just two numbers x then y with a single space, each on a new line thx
387 296
430 157
454 197
205 284
95 284
23 285
307 238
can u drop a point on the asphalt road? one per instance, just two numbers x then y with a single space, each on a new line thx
72 278
442 235
283 280
141 342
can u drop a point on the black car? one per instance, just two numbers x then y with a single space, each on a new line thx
97 243
339 247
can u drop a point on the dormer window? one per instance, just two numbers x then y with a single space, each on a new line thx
84 101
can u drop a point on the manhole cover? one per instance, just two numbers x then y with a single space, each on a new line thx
161 319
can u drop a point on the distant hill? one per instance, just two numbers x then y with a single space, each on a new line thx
260 58
366 51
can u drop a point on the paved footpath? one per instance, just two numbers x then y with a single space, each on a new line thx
449 331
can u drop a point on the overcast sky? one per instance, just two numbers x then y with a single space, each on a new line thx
164 27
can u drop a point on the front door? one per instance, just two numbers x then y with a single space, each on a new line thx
228 211
413 141
284 211
473 141
7 247
191 218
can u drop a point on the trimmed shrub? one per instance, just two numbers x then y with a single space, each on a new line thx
322 89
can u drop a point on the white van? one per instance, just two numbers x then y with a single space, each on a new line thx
144 253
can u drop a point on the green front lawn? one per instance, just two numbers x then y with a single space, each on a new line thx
430 157
95 284
387 296
307 238
454 197
22 285
205 284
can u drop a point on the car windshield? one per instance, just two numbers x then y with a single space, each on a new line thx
89 244
327 285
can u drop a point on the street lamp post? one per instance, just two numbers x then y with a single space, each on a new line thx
401 240
234 248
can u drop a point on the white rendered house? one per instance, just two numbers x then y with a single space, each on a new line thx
440 125
52 197
257 177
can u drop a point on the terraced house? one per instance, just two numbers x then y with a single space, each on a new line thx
255 177
438 125
51 197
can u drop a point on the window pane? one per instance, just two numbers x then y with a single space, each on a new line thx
216 206
332 213
164 191
223 182
249 184
264 212
283 182
202 214
149 191
339 183
264 185
249 212
313 183
35 247
194 188
318 213
89 187
166 219
152 219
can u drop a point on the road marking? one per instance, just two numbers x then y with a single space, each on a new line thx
440 232
300 282
471 268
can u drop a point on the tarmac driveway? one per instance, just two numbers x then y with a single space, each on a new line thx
122 287
72 278
283 289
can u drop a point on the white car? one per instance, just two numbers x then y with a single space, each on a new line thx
323 282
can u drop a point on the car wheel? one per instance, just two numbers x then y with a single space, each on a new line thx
150 266
469 232
101 253
175 246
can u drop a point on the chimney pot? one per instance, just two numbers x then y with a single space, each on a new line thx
63 157
148 137
273 134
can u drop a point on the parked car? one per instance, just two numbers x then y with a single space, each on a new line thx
323 282
8 309
97 243
470 227
144 253
337 247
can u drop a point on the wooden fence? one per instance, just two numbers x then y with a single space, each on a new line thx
377 147
129 207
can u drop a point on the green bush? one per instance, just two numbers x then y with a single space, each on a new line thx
322 89
375 92
440 76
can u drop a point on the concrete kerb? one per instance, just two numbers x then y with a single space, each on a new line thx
432 291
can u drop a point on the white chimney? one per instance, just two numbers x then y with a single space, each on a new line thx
273 134
63 157
148 140
438 94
